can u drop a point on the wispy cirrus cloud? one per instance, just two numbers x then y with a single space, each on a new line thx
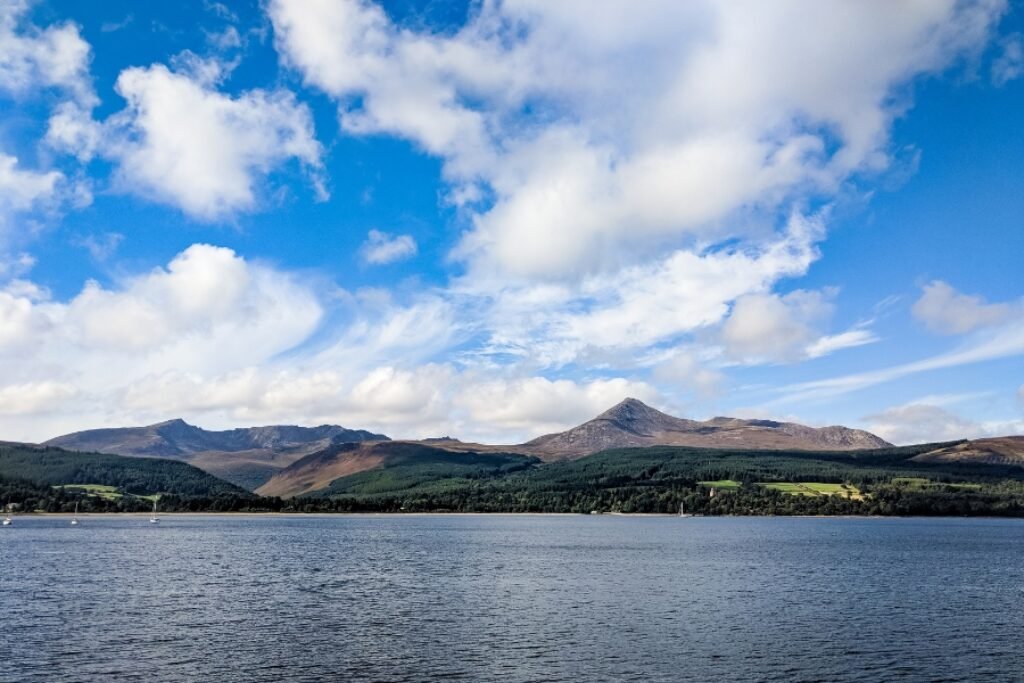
1003 342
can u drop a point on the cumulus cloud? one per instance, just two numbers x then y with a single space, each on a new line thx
537 405
629 179
405 402
21 189
921 422
32 57
156 345
107 337
381 247
645 305
633 188
685 370
767 326
182 142
644 127
191 146
772 328
34 397
944 310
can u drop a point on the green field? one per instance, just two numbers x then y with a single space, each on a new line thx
98 490
920 483
814 489
105 492
721 484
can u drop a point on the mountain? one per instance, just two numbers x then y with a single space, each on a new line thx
633 423
1004 450
389 465
247 457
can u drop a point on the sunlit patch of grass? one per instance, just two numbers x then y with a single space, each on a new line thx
106 492
99 490
722 484
815 488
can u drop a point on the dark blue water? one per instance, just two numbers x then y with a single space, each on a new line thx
511 598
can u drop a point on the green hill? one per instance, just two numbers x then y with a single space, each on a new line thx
659 479
29 473
423 468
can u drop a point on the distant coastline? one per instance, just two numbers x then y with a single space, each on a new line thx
628 515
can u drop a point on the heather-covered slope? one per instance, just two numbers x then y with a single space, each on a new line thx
1004 450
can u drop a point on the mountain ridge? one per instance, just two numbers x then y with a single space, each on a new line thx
288 460
633 423
246 456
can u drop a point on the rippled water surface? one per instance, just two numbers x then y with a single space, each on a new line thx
510 598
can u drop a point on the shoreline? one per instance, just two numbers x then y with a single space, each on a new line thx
162 515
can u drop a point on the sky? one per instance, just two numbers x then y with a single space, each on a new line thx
493 220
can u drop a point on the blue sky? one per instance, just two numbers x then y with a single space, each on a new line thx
494 220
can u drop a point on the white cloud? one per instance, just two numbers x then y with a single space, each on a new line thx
156 345
829 344
646 127
1010 63
683 369
767 327
107 338
764 328
227 39
381 247
34 397
22 324
626 182
101 246
921 422
536 405
413 402
32 57
944 310
643 305
182 142
992 344
71 128
626 178
22 189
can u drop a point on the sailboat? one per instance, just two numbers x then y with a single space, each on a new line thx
154 519
7 517
74 520
682 511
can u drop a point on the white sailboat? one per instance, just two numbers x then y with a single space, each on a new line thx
153 518
74 520
7 517
682 511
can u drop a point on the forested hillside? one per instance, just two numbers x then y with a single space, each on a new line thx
661 479
33 477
